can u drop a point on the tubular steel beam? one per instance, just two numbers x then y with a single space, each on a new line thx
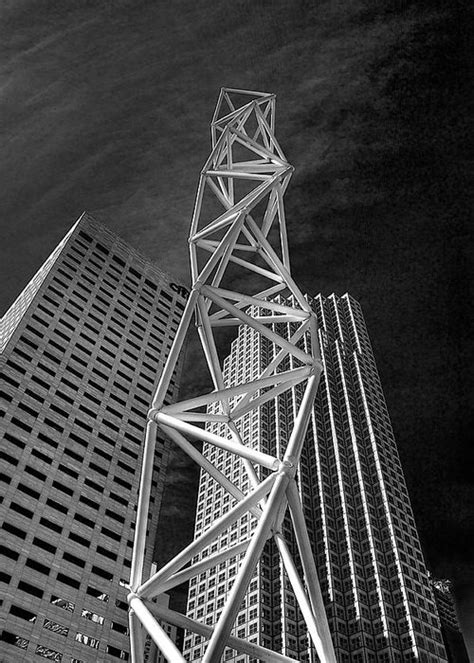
246 176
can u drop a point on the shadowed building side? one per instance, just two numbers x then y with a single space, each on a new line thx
450 629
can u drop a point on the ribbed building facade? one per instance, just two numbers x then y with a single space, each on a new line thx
82 348
379 601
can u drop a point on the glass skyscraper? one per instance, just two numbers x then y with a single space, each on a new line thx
82 348
376 588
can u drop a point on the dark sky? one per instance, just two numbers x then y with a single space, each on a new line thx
106 106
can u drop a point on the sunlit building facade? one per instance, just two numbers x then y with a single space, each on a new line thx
82 348
378 597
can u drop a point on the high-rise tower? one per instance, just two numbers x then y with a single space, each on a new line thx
376 589
82 348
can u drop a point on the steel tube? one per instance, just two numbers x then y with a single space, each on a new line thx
301 597
230 235
243 299
273 365
310 572
139 541
247 319
216 474
203 565
224 626
137 641
176 347
238 411
265 380
295 443
207 340
279 266
196 546
243 646
270 462
263 319
159 636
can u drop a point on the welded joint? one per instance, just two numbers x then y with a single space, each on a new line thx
153 413
316 368
287 467
197 286
132 595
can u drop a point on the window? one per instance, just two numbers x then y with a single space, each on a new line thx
21 509
30 589
94 485
110 534
67 580
92 616
37 566
35 473
20 424
98 468
87 640
63 488
50 525
51 625
85 521
120 628
89 502
64 604
72 454
115 516
23 614
79 539
68 470
7 552
119 499
14 530
118 653
102 573
106 553
56 505
74 560
97 593
41 456
14 640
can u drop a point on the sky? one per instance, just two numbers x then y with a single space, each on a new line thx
105 106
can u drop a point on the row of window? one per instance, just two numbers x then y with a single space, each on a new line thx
56 656
33 590
51 625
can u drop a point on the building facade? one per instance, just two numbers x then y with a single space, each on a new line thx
450 629
82 348
377 592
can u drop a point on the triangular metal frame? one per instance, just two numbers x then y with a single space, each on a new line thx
250 233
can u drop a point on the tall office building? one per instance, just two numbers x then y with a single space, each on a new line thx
82 349
450 629
376 589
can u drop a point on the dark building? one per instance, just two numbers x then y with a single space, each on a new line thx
450 629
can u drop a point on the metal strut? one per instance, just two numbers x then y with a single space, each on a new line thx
238 223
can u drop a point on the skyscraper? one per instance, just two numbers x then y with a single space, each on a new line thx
82 348
376 589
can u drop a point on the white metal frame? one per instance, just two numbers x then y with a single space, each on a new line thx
245 177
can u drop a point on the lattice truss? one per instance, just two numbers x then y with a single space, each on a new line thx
238 235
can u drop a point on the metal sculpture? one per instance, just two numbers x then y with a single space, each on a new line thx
238 222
